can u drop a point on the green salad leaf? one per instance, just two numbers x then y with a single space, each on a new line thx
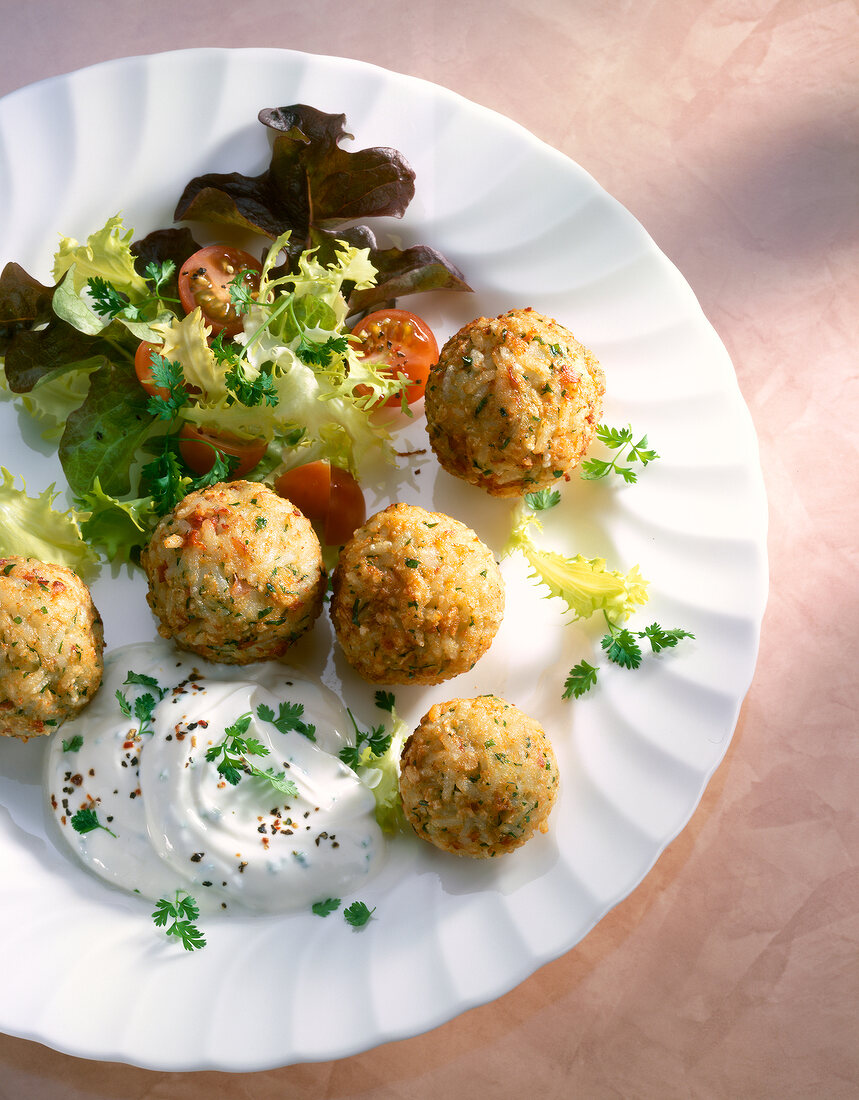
585 585
31 527
317 191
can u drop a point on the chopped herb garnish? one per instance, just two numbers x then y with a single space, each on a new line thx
74 744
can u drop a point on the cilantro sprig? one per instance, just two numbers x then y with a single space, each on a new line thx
621 646
182 911
620 440
232 755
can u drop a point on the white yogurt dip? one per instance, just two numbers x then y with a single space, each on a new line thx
169 820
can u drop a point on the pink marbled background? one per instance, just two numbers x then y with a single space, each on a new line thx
729 128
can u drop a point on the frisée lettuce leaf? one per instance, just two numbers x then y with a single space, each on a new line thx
32 527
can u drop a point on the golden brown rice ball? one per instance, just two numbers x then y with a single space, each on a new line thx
51 646
417 597
235 573
478 777
513 403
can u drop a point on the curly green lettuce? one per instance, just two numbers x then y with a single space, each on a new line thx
32 527
584 584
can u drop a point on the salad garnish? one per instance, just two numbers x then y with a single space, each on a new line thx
136 389
620 440
180 911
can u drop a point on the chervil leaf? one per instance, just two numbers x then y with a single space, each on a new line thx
191 936
351 756
594 468
159 273
621 647
614 437
251 391
182 906
385 700
278 781
543 500
106 299
240 726
639 452
319 354
323 908
167 375
663 639
86 820
582 678
288 718
145 681
620 440
357 914
241 292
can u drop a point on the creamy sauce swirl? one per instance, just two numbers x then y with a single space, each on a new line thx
178 823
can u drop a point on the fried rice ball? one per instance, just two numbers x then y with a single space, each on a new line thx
513 403
417 597
51 646
478 777
235 573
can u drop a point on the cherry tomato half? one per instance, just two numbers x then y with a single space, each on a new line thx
204 281
402 344
143 369
330 498
198 448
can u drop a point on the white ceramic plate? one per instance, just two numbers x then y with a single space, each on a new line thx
85 970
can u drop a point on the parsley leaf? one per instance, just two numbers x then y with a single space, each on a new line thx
357 914
288 718
621 646
86 820
107 300
543 499
159 273
620 440
582 678
323 908
168 376
663 639
251 391
183 911
242 291
385 700
74 744
317 353
369 743
233 751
